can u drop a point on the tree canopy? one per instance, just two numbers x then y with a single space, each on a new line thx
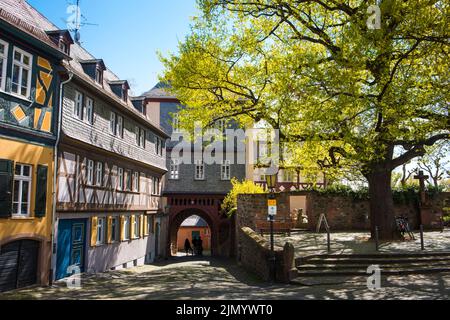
372 99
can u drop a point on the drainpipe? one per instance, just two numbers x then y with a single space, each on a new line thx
55 176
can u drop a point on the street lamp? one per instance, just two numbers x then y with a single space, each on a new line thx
271 181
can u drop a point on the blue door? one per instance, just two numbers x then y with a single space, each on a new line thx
71 246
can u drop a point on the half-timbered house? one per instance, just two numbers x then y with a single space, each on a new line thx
30 73
111 161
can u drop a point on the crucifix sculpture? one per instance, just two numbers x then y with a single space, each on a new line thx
422 177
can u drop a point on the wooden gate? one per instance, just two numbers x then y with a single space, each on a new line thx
18 264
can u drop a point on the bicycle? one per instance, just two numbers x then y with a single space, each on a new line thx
403 227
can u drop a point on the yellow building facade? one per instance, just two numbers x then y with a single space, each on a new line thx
29 226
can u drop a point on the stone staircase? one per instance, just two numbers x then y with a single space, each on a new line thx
336 265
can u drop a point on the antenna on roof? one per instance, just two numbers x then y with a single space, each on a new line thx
76 20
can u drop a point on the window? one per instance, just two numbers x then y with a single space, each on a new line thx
22 190
158 146
156 182
3 63
112 123
125 95
78 109
199 170
90 172
114 229
21 73
126 228
142 137
128 180
101 231
63 46
175 122
174 169
150 184
136 227
119 131
136 132
225 170
120 174
136 182
89 110
98 76
99 174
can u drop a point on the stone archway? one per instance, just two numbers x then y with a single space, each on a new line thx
177 219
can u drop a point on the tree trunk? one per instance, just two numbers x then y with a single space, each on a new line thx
382 204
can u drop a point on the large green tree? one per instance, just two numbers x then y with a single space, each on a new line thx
372 98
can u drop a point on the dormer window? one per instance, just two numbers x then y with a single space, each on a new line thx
94 69
120 89
62 39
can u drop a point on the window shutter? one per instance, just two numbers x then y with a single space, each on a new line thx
94 222
6 188
141 226
109 230
122 228
40 208
132 235
145 225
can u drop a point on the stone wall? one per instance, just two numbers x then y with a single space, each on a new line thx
255 256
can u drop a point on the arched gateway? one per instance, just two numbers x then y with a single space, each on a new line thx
222 235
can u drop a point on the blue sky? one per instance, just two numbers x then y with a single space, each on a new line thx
129 33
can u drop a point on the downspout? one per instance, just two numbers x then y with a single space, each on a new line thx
55 175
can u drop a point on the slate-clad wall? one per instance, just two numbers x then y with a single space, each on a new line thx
186 182
99 134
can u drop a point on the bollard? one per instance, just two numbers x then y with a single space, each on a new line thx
377 243
328 241
422 245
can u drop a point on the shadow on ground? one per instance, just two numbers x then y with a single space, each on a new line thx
188 278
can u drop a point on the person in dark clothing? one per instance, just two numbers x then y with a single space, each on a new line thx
195 245
187 247
200 246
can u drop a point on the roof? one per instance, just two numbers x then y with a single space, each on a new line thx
22 16
80 55
160 91
194 221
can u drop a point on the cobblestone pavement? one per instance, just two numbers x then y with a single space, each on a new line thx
307 243
193 278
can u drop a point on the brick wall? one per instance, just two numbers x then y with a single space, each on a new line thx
343 213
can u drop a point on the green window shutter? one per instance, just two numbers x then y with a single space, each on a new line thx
6 187
41 192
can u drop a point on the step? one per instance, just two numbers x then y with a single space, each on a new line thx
366 261
381 254
326 267
348 272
